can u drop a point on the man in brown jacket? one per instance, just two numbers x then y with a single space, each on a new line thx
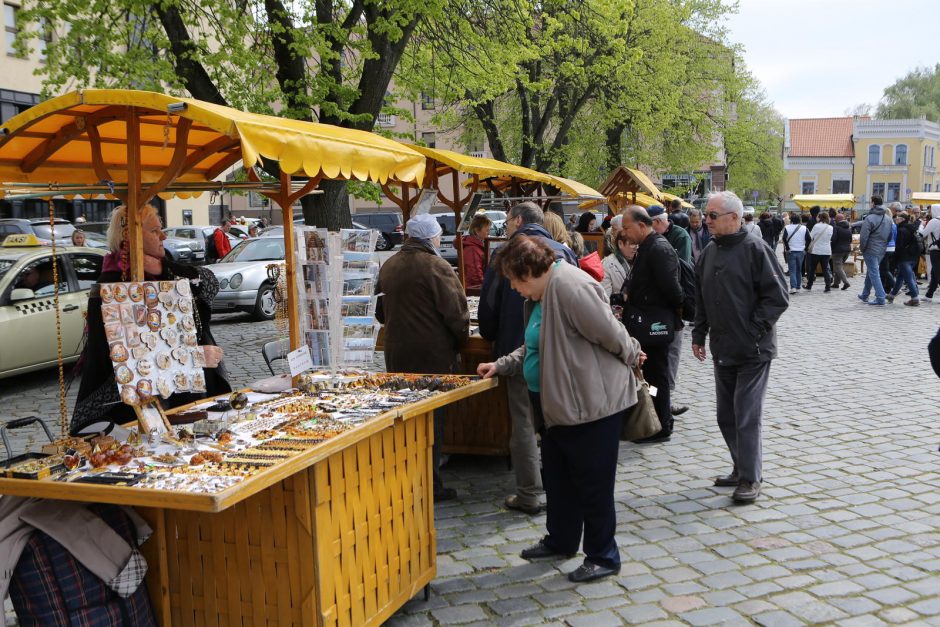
424 310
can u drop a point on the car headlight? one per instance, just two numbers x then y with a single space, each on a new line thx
194 246
236 281
223 284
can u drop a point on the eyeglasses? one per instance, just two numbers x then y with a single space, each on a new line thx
714 215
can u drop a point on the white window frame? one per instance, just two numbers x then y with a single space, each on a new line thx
896 148
871 149
9 29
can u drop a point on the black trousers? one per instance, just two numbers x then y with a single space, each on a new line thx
656 373
822 260
934 273
579 470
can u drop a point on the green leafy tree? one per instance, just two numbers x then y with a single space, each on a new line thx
913 96
325 60
753 142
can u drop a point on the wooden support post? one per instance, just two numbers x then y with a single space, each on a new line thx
135 238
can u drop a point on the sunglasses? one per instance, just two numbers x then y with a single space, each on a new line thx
714 215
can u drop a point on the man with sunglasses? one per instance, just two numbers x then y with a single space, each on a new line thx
741 292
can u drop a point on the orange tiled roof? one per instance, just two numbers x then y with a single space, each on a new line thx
821 137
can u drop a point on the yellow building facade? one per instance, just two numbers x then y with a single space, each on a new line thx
860 156
895 158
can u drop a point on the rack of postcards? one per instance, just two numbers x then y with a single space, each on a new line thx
336 284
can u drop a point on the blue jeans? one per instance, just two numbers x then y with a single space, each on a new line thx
795 266
905 275
873 278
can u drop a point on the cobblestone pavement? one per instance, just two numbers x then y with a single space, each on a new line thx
847 530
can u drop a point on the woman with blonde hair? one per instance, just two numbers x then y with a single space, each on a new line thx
99 397
556 228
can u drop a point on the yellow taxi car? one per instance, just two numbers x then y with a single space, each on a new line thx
27 306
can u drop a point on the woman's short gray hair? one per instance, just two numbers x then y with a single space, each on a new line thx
729 201
116 228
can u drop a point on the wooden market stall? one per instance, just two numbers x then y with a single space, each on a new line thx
925 198
343 534
805 202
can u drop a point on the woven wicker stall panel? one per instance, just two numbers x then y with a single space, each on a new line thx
480 424
251 564
374 521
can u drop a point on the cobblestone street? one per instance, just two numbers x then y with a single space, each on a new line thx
846 531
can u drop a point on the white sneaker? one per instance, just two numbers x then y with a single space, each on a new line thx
793 291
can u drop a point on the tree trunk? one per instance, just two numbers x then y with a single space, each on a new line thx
329 210
614 145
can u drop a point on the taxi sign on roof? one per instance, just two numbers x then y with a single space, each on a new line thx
20 240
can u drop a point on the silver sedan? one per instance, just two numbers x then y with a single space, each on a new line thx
243 277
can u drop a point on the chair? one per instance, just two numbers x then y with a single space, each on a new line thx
275 349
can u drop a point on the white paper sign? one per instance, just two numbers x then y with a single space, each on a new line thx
299 360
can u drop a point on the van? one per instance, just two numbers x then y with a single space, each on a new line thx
388 224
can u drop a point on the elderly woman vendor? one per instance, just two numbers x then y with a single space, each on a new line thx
98 398
577 360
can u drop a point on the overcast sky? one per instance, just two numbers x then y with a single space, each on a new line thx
818 58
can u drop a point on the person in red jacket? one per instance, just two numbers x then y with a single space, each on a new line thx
473 247
222 244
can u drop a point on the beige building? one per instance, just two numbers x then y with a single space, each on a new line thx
860 156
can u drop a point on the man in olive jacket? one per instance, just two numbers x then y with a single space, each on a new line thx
740 294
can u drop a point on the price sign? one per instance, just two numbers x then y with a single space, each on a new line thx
299 361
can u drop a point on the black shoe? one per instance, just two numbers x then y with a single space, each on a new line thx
746 492
889 298
678 410
662 436
542 551
446 494
512 502
591 572
846 286
727 481
807 287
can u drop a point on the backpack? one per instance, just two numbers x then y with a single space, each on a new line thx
212 253
688 282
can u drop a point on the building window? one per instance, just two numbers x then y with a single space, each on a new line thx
427 101
808 187
926 187
429 140
894 192
874 155
9 23
878 189
45 38
386 119
900 155
842 187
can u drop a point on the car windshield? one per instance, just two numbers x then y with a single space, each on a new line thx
263 249
62 230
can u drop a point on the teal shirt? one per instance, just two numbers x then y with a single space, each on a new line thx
530 364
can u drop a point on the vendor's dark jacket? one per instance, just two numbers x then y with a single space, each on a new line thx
500 312
680 219
654 278
740 294
841 237
424 310
98 398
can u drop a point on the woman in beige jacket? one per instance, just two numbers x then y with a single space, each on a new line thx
577 360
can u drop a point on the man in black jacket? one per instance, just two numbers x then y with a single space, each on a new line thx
654 286
502 322
740 294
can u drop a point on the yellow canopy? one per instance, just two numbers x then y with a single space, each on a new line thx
925 198
667 197
621 200
503 172
825 201
53 142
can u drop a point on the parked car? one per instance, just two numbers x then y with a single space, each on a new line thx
448 228
27 311
40 228
388 224
243 277
196 235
